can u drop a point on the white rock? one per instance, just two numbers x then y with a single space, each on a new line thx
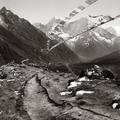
16 92
74 84
82 92
1 80
90 73
1 112
107 78
10 80
83 79
114 105
65 93
79 83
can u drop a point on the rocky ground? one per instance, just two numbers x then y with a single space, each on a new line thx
30 93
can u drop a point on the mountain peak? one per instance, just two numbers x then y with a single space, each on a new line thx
4 11
8 17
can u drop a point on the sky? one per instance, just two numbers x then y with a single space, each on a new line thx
43 10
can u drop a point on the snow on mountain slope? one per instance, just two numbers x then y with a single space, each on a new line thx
90 45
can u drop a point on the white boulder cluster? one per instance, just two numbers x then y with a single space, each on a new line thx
76 83
91 74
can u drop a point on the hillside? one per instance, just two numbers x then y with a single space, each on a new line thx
22 40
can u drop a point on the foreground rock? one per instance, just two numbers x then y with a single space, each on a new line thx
44 100
29 93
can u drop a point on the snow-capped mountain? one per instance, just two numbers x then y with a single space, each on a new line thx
90 45
54 21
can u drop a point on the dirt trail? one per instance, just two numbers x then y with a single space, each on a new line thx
37 103
32 99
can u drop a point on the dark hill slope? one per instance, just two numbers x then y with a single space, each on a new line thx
20 40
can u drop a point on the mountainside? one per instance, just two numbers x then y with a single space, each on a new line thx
113 58
88 46
22 29
117 42
91 46
20 40
19 37
95 43
111 61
